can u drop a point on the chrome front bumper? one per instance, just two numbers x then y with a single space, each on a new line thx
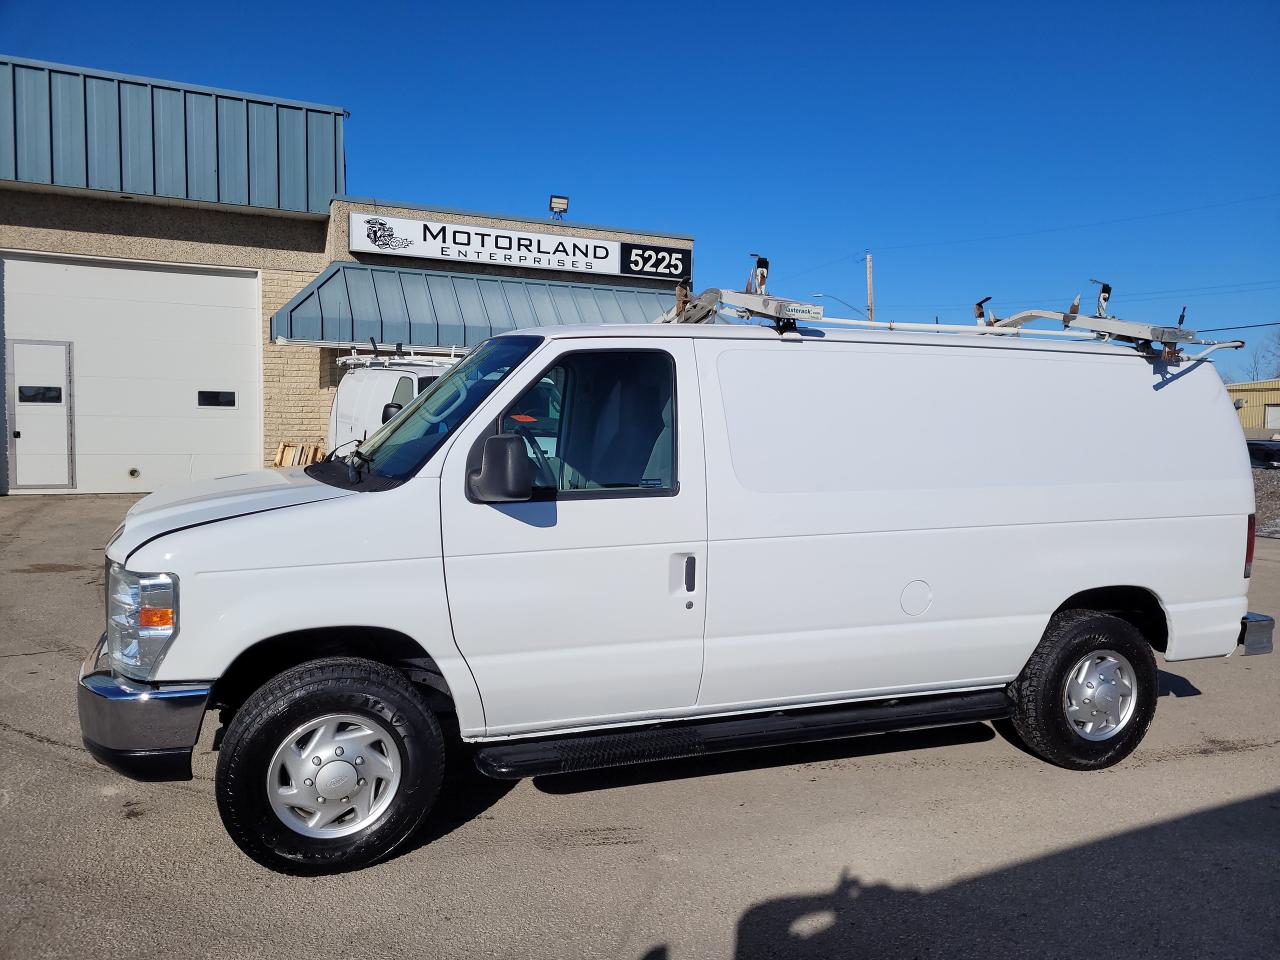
1256 630
144 730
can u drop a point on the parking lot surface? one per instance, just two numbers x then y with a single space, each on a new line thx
950 843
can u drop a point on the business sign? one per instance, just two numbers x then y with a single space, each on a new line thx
432 240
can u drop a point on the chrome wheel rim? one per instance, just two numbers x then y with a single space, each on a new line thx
1100 695
334 776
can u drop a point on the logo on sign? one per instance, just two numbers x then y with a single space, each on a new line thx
801 311
383 236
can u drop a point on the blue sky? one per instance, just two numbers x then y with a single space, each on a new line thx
1012 150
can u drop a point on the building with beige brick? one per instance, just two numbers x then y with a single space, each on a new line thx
180 269
1258 404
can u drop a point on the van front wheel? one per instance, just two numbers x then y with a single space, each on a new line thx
328 767
1088 693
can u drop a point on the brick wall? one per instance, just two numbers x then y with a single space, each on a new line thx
298 383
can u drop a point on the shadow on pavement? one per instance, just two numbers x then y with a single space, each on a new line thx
1204 885
760 759
1172 685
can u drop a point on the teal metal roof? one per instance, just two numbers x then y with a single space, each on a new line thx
351 302
72 127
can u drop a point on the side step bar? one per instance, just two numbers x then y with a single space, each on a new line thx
517 759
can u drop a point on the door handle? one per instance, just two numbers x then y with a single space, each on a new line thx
690 570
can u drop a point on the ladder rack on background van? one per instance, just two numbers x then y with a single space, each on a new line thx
397 358
718 305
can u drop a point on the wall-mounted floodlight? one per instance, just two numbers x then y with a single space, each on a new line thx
559 206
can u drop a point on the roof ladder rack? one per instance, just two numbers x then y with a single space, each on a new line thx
781 314
718 305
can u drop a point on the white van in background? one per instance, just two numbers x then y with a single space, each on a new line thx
373 390
597 545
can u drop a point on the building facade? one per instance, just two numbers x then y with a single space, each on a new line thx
1258 404
180 268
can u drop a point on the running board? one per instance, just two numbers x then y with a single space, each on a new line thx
517 759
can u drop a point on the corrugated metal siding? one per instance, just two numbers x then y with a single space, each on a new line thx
102 128
351 302
66 102
74 128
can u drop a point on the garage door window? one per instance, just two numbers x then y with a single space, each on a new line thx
216 398
39 394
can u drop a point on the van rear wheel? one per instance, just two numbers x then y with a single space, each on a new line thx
1086 696
330 766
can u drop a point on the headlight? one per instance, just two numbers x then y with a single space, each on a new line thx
142 618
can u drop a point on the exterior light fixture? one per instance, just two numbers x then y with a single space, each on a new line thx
559 206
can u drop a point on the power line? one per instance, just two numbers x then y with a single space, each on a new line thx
1244 326
1212 286
1039 232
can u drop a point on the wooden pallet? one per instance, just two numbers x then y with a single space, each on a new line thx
299 454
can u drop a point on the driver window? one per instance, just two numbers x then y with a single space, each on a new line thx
600 420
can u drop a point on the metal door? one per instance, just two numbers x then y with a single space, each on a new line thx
41 437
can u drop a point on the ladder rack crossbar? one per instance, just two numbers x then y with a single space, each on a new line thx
785 315
972 330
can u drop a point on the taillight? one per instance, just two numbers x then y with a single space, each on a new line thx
1248 548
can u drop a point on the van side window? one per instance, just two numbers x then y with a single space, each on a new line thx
404 391
601 420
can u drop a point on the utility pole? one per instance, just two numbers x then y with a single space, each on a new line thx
871 291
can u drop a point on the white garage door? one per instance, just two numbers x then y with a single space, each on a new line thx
164 380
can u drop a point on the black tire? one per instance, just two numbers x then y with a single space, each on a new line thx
331 685
1038 713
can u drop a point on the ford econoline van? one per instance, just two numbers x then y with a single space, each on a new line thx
586 546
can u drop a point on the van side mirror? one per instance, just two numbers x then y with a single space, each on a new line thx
390 410
505 474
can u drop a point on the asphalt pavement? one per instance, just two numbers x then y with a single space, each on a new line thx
937 844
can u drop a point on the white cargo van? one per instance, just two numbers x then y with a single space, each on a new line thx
373 390
586 546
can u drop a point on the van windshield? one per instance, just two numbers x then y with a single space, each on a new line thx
405 442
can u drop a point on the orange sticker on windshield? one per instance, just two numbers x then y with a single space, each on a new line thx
524 418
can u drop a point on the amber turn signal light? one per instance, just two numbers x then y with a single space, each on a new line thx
155 617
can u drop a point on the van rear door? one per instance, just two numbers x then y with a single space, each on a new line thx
347 404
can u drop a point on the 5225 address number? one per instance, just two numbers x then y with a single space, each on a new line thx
641 260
